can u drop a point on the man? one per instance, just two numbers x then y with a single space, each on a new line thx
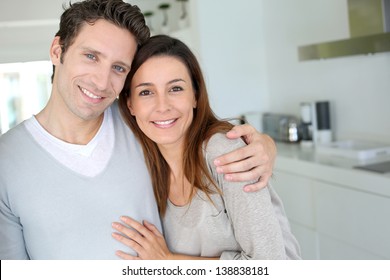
75 167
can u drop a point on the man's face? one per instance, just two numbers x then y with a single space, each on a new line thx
93 71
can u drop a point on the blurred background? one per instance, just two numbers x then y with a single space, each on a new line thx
313 74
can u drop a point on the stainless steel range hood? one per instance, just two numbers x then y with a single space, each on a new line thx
369 24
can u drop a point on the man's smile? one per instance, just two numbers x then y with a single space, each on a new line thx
90 94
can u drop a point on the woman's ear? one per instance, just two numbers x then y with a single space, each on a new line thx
55 51
130 107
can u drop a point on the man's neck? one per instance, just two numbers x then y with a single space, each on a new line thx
69 129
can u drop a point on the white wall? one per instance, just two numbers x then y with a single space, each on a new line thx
28 27
357 86
232 54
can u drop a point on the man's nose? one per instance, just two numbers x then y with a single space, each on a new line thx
102 78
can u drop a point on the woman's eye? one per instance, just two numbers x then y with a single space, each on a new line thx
176 88
145 93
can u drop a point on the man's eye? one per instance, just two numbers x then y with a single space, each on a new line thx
119 68
90 56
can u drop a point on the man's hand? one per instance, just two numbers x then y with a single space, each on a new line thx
252 162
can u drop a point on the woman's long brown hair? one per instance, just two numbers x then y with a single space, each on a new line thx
203 126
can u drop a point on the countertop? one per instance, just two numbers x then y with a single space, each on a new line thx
305 161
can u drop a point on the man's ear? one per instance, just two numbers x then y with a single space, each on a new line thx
130 107
55 51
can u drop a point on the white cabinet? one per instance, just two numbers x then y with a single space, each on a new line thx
359 220
297 195
334 221
300 196
307 239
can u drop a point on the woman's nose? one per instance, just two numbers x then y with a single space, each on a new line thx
163 102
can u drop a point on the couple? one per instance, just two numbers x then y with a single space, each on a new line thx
67 173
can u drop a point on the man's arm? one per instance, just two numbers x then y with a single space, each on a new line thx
252 162
11 236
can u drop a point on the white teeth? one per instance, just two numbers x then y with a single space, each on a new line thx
89 94
164 122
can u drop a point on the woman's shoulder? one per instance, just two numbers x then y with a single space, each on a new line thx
219 144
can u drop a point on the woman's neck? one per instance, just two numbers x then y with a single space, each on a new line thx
180 189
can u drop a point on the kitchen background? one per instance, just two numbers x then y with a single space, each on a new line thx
249 53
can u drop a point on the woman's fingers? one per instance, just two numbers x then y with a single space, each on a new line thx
126 241
125 256
136 231
135 225
152 228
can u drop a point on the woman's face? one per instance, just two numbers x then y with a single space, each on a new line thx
162 100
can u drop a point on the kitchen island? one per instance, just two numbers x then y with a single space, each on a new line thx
336 211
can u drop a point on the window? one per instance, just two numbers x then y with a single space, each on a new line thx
24 91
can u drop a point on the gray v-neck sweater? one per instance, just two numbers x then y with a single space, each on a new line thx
48 211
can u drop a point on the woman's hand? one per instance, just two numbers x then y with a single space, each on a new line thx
252 162
145 239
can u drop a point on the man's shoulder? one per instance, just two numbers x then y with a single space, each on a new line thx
13 141
116 114
120 125
114 107
13 134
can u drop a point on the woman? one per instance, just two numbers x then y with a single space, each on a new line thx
204 216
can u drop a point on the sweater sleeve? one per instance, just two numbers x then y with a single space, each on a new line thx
12 245
255 222
11 235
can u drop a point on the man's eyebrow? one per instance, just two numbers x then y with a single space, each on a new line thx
89 49
93 51
124 64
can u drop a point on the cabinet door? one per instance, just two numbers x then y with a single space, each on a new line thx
296 193
308 241
334 249
355 218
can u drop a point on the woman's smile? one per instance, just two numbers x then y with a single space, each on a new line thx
165 124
